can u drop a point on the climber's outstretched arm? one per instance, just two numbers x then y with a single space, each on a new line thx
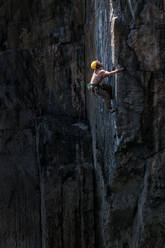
109 73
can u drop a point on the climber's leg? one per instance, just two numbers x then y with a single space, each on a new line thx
107 98
107 88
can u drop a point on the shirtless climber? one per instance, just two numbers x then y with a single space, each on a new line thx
104 90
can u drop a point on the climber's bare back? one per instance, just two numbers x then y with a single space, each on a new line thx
97 76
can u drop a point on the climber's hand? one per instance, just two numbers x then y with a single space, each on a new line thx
119 69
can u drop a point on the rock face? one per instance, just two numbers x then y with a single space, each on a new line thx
128 146
46 168
64 183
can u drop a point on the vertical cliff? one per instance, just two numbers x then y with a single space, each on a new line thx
128 146
46 153
64 183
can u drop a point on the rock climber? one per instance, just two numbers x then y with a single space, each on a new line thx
102 89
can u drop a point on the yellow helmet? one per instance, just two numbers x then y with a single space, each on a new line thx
96 64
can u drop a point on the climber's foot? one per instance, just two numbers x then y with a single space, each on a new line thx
112 110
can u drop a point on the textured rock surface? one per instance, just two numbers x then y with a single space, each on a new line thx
46 153
60 185
129 146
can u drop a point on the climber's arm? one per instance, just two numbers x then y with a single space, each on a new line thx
109 73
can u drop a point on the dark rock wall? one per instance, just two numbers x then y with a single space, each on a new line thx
52 32
128 146
60 185
46 154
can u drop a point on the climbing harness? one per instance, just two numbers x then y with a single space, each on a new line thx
93 88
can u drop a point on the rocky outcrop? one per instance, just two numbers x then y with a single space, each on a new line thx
64 183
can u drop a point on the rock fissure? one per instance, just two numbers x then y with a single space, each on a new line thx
153 154
42 204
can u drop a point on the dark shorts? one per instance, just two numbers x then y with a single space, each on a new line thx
103 90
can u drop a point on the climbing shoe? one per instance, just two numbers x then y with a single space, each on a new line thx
112 110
